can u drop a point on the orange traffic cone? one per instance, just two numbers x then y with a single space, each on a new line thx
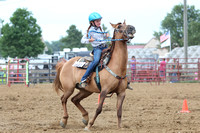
185 107
99 99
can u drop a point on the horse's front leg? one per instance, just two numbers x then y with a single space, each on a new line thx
120 99
98 110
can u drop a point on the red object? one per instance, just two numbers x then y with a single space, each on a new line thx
135 46
99 99
185 107
165 36
162 66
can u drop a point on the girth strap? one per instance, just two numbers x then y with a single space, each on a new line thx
98 78
115 75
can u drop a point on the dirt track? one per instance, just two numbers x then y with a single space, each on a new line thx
148 108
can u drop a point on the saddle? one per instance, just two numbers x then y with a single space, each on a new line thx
84 62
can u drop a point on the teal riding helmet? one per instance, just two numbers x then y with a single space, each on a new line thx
94 16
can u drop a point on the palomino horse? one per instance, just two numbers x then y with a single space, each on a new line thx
68 76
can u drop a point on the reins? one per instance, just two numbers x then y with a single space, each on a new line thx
106 40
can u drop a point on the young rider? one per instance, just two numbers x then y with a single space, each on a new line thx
98 46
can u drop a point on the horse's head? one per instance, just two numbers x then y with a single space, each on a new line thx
123 31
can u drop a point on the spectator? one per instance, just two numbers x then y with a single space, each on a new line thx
163 68
174 73
133 67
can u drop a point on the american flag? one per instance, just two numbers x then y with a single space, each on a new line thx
165 36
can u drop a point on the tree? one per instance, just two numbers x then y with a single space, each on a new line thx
54 46
104 28
174 22
73 38
50 50
22 37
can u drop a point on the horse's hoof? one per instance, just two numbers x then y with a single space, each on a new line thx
86 129
85 122
62 124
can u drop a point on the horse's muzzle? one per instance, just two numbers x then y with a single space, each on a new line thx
131 31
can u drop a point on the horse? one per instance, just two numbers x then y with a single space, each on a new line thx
69 76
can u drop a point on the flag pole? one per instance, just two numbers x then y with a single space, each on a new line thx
170 41
185 32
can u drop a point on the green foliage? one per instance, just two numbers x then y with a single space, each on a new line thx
195 31
89 47
174 22
49 47
73 38
22 37
157 34
54 46
104 28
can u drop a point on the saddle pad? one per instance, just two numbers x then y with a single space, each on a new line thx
83 62
78 64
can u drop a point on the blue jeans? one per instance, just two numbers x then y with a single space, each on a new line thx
97 55
174 78
162 73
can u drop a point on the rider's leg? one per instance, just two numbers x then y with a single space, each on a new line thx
93 64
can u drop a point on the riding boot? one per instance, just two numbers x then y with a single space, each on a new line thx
82 84
128 86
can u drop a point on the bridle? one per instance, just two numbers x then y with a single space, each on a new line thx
124 32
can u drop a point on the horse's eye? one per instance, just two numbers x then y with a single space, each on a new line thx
119 26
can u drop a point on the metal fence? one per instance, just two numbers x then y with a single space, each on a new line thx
39 71
175 70
146 70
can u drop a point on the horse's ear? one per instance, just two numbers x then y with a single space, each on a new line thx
114 25
124 22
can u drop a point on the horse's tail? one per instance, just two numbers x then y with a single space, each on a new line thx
57 83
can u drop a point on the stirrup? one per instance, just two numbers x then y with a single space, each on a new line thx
83 83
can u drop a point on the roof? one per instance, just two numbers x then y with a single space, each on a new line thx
153 43
135 46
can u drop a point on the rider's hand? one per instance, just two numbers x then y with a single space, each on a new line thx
91 39
107 35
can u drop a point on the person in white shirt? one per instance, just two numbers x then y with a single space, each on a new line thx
96 38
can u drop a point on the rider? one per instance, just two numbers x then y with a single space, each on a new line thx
98 46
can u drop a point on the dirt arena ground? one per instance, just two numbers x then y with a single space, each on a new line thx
146 109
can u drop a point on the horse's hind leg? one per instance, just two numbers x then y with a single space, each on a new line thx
76 100
64 98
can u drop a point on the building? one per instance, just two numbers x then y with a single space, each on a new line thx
150 50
